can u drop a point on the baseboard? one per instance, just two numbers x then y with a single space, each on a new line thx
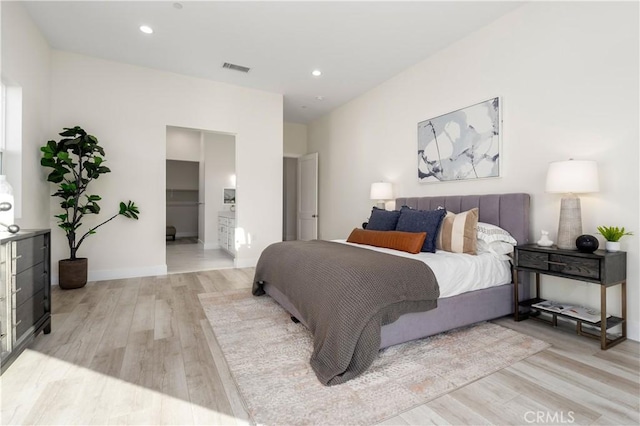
115 274
633 330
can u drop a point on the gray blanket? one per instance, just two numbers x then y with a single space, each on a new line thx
345 294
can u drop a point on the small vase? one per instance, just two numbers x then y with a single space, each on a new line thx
612 245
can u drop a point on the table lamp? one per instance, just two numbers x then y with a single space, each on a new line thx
570 178
381 191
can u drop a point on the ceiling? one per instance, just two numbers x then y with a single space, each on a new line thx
356 45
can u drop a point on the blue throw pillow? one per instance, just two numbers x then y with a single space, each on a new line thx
383 220
428 221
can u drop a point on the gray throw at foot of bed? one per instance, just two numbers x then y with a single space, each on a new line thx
344 295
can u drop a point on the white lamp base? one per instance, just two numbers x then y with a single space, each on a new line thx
570 226
381 205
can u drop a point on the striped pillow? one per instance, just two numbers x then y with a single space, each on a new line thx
458 232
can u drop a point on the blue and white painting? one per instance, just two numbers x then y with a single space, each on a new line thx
464 144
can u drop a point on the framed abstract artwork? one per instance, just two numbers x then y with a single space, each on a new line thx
461 145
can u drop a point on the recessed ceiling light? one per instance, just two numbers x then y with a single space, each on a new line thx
316 73
146 29
319 98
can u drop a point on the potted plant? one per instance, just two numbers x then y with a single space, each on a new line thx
612 234
77 160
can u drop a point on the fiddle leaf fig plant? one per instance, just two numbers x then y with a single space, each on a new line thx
76 161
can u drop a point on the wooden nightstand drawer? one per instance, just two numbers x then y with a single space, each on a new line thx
576 266
530 259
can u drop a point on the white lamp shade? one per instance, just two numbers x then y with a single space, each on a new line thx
572 176
381 191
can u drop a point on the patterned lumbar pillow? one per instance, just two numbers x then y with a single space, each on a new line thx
458 232
410 242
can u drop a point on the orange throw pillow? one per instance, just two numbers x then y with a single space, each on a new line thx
410 242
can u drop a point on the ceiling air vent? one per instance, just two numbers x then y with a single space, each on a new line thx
236 67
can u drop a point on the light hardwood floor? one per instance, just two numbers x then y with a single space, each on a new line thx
140 351
186 255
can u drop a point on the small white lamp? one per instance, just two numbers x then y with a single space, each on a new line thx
571 177
381 191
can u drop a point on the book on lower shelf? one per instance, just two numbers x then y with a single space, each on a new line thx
579 312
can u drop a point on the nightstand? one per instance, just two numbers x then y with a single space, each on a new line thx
606 269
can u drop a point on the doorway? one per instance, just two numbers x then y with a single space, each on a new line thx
200 166
300 198
290 199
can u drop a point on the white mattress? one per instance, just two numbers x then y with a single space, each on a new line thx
457 273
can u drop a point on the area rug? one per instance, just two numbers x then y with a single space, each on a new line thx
268 356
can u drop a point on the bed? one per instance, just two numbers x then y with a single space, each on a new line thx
510 212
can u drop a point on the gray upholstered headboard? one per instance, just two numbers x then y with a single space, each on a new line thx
508 211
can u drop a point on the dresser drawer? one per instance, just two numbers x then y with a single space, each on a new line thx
29 252
28 313
29 282
576 266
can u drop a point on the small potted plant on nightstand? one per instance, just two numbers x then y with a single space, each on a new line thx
612 234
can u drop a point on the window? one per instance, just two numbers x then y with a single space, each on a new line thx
11 138
3 124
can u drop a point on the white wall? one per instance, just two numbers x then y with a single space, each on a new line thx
295 139
183 144
568 77
182 183
129 108
26 62
182 175
219 166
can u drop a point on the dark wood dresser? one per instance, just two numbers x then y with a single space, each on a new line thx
25 291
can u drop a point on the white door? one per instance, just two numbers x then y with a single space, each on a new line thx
308 197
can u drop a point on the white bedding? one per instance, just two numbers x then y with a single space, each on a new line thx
457 273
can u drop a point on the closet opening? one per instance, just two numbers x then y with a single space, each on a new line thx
200 200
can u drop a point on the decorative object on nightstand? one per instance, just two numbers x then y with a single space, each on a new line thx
587 243
612 234
544 240
381 191
571 177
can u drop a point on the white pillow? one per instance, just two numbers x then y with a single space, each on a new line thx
490 233
499 249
